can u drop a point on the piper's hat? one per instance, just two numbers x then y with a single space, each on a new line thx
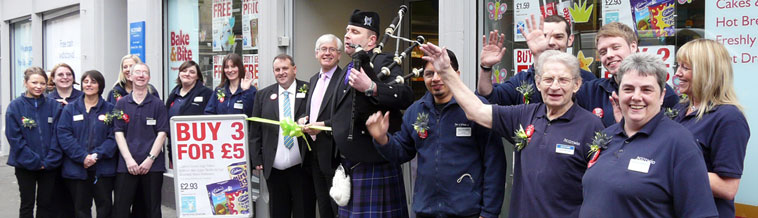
365 19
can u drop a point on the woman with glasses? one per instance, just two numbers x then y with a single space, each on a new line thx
714 116
63 77
550 137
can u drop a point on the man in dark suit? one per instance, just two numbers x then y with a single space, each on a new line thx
318 112
377 187
281 157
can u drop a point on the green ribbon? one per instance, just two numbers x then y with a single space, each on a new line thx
290 127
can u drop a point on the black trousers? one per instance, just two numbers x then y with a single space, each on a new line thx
36 185
100 188
322 182
126 188
64 206
291 193
449 216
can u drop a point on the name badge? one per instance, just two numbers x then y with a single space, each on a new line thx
463 131
238 106
638 165
198 99
564 149
150 122
78 117
49 119
300 95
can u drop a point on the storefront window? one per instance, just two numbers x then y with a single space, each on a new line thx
661 25
21 56
206 31
63 48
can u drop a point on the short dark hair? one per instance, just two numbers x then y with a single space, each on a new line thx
188 64
453 60
557 19
237 61
284 57
98 77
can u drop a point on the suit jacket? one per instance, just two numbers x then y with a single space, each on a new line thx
392 98
264 138
323 146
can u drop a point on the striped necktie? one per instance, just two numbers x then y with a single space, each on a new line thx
288 140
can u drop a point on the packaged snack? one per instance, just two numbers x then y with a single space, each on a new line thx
217 195
238 171
238 201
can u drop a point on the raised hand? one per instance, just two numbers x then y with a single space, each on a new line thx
492 49
246 82
377 125
617 115
437 56
536 38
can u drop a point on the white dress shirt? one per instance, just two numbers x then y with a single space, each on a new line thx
286 158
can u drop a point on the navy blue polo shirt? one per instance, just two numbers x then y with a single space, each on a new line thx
145 121
75 94
657 172
722 134
505 93
547 176
241 102
593 96
176 106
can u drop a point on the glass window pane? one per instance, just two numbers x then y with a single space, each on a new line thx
63 42
22 56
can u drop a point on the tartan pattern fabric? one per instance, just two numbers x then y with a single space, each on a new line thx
377 191
288 140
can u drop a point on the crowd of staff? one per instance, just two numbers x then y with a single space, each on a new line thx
625 146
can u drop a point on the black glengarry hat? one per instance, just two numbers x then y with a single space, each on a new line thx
365 19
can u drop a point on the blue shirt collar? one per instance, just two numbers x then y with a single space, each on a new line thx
568 116
428 101
648 129
609 84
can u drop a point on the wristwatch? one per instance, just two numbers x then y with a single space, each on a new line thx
151 156
94 155
370 91
487 69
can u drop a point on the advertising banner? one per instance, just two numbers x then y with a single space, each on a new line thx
654 18
211 163
223 23
250 16
617 11
735 24
183 34
523 9
218 69
522 60
251 67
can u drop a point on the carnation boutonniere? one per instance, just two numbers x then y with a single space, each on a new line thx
303 89
116 95
526 89
28 122
599 143
422 125
116 114
671 112
522 137
220 95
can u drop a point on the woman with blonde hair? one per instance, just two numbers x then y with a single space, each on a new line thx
124 85
713 115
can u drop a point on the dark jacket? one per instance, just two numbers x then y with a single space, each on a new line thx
197 99
75 94
461 165
246 98
323 146
33 147
392 98
81 133
263 138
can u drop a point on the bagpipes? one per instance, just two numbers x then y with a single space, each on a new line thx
362 60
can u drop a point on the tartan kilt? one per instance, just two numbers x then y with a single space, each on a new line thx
376 191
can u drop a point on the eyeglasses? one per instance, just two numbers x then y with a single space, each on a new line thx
325 49
562 81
